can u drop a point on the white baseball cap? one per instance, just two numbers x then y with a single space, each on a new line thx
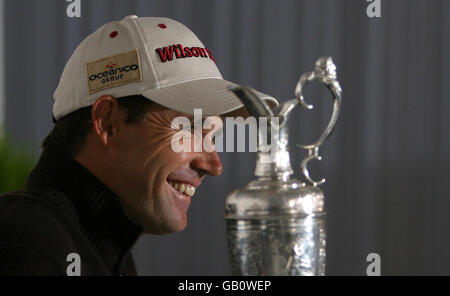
158 58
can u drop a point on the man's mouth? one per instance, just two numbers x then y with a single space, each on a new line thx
184 188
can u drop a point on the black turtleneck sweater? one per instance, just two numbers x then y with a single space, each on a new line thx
64 209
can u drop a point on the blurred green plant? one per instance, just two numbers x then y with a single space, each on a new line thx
15 164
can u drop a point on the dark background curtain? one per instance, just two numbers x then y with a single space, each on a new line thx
387 164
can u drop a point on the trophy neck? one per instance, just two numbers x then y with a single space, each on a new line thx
273 159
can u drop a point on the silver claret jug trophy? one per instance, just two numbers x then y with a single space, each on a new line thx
276 224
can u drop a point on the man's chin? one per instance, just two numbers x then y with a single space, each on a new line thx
166 228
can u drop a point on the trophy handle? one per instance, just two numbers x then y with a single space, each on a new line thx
324 72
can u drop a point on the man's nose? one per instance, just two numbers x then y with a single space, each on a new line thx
208 163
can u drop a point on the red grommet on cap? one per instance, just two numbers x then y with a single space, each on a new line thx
113 34
162 26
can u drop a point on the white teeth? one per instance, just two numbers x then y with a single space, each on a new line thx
188 190
183 188
191 191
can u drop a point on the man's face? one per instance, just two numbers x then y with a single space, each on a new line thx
152 174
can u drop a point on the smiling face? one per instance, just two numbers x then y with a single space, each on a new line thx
155 183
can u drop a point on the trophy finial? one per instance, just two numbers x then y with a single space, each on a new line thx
326 68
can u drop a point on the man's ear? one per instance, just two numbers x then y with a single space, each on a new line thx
105 117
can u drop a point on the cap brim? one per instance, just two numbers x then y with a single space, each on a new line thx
212 95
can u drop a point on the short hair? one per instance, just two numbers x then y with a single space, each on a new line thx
69 133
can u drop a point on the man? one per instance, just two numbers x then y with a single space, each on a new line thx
107 173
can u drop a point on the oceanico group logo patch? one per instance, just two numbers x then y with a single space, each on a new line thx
114 71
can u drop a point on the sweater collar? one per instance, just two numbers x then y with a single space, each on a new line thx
98 210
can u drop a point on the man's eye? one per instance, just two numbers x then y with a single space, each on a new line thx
187 128
192 126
